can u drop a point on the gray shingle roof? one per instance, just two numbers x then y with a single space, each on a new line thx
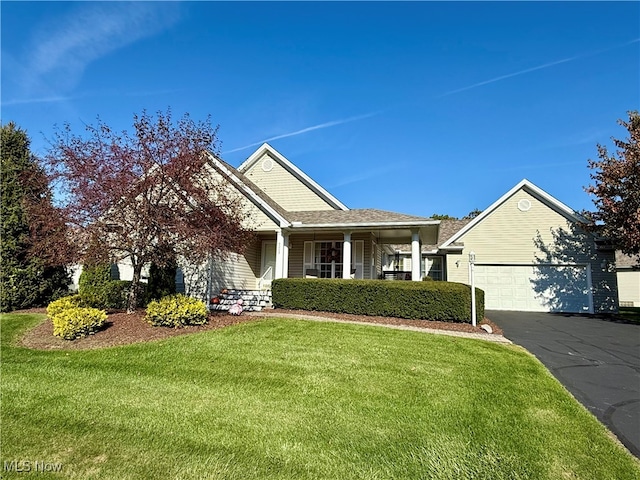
354 216
446 230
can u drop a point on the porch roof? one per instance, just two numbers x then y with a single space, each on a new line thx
356 217
446 230
389 227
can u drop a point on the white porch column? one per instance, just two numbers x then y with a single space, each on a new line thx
346 256
415 255
285 256
279 254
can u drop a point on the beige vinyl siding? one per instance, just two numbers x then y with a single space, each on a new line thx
195 279
257 220
629 288
369 253
605 282
237 271
507 236
284 187
254 218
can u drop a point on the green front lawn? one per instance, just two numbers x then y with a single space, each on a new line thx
290 399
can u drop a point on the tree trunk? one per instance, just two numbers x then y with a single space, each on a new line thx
132 302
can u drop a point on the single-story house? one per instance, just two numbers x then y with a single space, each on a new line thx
530 251
628 273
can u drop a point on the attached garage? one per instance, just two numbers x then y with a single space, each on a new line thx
536 288
532 253
628 280
629 288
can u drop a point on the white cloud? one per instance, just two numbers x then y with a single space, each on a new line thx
332 123
539 67
62 49
509 75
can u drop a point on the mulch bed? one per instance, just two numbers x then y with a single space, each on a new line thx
122 328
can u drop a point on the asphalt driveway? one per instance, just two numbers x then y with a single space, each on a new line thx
597 360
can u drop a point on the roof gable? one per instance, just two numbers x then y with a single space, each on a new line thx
285 183
250 191
530 188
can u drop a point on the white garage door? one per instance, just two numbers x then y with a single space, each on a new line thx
534 288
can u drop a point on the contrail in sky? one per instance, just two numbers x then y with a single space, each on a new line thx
305 130
539 67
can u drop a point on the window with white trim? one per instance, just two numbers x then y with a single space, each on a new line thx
325 258
433 267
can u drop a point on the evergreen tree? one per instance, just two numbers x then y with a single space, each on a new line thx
162 280
25 279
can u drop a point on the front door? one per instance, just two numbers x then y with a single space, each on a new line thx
268 267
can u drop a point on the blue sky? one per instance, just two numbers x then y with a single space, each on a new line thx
417 107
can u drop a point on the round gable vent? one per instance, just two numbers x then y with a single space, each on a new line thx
524 205
267 164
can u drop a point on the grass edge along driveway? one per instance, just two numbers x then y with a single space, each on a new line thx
287 399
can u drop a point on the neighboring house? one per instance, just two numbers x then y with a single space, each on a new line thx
530 252
628 272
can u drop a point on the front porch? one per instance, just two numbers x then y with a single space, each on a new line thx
346 254
353 244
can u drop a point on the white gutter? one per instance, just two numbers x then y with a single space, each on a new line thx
425 223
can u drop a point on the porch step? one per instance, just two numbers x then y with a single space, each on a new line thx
252 300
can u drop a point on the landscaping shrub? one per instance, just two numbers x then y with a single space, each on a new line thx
74 322
98 290
94 276
446 301
162 281
176 311
64 303
117 294
93 285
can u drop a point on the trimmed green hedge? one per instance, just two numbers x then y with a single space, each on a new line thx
445 301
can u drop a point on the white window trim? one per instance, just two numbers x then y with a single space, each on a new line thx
309 256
